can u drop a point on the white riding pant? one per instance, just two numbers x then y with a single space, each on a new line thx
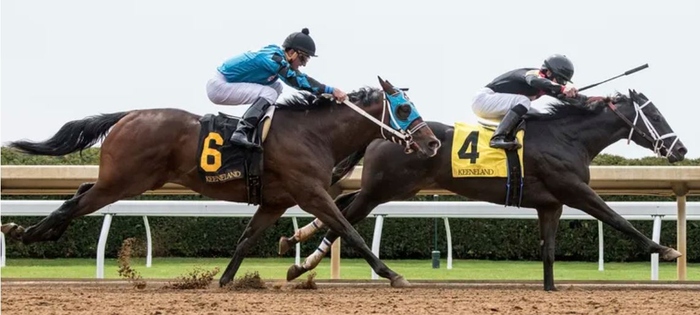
221 92
488 104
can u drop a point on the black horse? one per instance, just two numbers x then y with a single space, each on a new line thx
558 148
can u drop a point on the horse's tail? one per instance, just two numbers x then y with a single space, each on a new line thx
347 165
75 135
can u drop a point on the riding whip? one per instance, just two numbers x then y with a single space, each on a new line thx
628 72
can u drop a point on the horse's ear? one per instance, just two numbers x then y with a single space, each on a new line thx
386 86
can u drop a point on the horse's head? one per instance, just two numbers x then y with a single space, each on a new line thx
410 129
648 127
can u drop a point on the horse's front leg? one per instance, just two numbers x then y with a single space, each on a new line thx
577 194
548 218
263 218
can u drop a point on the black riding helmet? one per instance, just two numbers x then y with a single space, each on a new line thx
560 65
301 41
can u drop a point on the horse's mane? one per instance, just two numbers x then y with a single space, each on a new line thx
576 107
307 101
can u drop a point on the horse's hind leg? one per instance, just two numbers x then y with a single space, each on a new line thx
549 223
354 209
301 235
89 198
16 231
313 199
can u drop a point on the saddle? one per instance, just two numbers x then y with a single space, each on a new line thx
473 157
219 161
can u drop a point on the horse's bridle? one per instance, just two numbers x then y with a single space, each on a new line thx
402 137
405 137
655 139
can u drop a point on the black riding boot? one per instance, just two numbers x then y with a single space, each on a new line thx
505 128
247 123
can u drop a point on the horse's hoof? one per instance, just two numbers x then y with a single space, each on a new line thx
400 282
551 289
13 231
284 246
224 281
671 254
7 228
294 272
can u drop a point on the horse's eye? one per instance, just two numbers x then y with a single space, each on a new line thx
403 111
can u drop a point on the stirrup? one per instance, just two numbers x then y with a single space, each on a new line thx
244 142
501 143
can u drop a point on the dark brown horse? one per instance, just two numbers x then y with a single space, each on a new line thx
307 137
559 147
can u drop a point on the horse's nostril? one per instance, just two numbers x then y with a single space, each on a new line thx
682 150
434 144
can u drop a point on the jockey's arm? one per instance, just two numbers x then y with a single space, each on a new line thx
299 80
552 89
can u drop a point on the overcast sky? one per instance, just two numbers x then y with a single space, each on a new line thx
69 59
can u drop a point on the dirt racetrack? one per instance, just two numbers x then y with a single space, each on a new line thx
119 297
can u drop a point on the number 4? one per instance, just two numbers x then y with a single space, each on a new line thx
472 141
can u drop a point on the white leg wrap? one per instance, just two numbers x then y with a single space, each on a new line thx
305 232
312 261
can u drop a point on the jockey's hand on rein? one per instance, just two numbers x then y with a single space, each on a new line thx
570 90
339 95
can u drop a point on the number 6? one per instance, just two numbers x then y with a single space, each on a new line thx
207 151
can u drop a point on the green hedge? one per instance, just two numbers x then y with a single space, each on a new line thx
402 238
